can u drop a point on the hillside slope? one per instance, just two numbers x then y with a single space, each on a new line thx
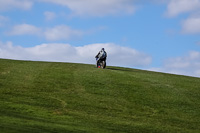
65 97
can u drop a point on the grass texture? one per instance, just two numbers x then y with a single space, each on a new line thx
49 97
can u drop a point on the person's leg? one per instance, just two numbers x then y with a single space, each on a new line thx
104 64
97 63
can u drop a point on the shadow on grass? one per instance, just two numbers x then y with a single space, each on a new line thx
121 69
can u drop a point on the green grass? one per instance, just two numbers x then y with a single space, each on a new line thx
64 97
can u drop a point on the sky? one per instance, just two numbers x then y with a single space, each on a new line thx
155 35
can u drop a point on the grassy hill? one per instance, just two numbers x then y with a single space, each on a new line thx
64 97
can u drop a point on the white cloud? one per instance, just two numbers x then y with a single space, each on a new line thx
24 29
192 8
96 7
7 50
11 4
191 25
117 55
49 15
3 19
176 7
185 65
61 32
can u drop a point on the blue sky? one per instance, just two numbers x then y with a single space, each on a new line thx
157 35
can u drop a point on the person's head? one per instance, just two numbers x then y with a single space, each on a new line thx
102 49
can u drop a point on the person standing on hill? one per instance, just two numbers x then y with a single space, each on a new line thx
101 57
